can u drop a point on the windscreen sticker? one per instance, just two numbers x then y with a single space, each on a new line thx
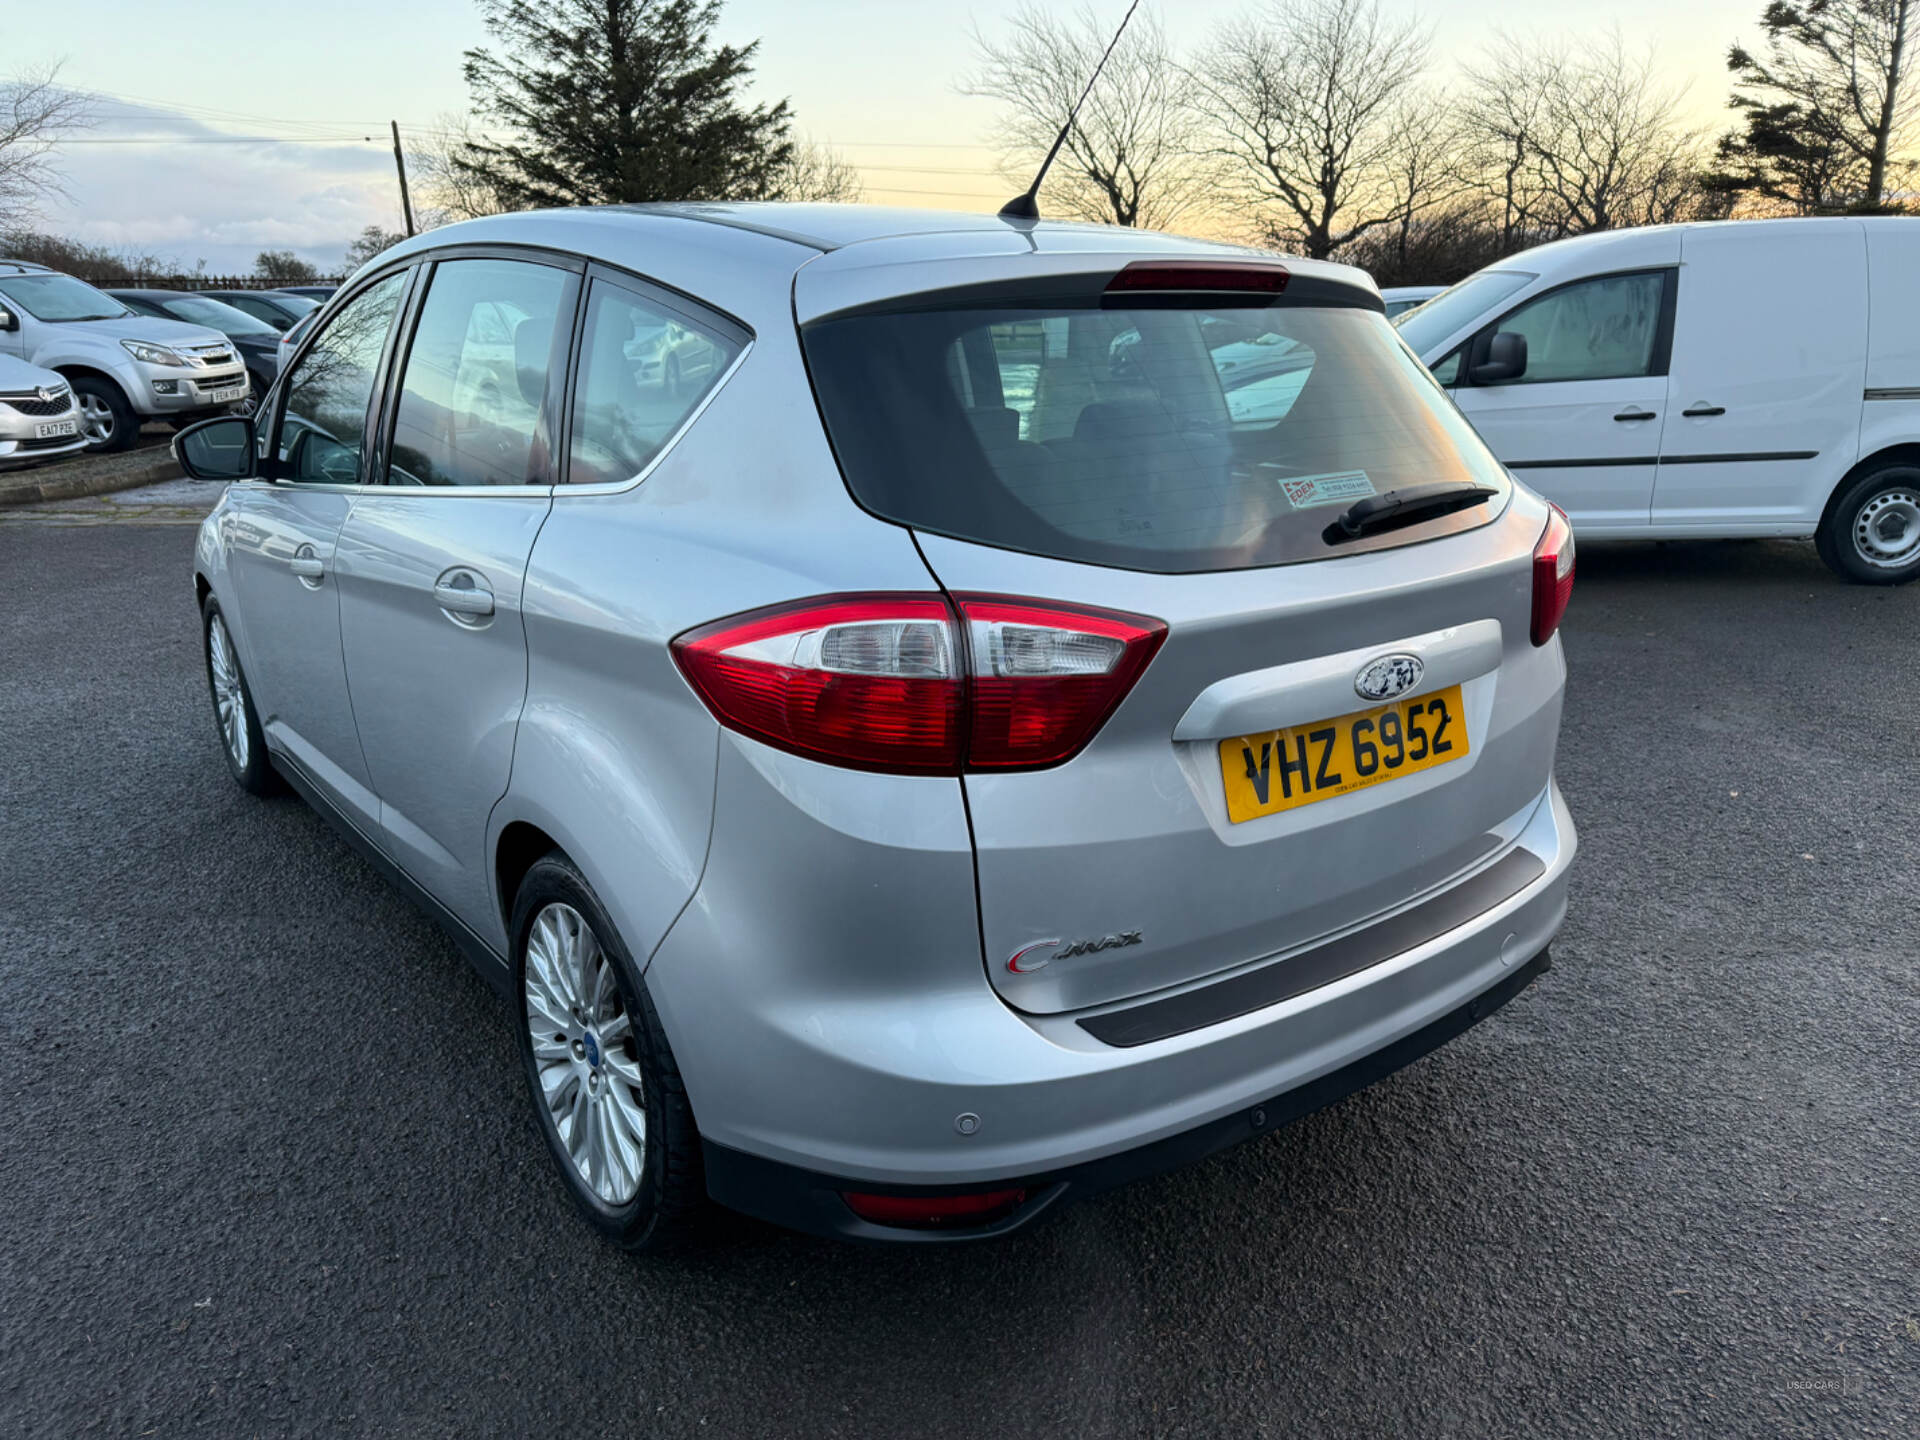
1342 487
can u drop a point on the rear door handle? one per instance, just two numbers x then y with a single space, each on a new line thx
468 599
1637 414
1700 408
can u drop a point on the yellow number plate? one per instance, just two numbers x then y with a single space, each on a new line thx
1285 769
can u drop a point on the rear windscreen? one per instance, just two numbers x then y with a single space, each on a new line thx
1155 438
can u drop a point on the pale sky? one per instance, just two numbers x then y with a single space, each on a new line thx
874 78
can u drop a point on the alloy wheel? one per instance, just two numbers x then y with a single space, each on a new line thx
229 697
96 419
1886 532
585 1054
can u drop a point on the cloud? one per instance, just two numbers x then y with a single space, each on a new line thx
202 198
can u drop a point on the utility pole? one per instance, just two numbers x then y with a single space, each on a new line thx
400 164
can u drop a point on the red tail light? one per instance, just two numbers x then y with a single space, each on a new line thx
899 683
930 1212
1552 575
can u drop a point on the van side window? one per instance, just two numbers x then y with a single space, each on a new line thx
643 368
475 385
323 426
1599 329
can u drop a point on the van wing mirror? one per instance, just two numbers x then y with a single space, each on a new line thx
216 449
1498 358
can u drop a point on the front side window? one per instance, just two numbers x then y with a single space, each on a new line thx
323 426
1427 325
475 386
1167 437
1601 329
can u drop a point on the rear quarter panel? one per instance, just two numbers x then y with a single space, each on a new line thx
616 757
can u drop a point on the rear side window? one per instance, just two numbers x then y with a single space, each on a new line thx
1166 438
643 367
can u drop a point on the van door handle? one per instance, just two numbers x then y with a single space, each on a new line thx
1700 408
1638 414
468 599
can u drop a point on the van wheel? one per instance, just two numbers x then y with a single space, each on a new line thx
106 418
1871 535
606 1092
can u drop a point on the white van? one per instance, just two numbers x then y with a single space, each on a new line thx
1733 379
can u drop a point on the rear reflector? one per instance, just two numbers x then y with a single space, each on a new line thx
932 1212
899 683
1257 276
1552 575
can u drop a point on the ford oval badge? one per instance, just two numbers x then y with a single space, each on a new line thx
1388 676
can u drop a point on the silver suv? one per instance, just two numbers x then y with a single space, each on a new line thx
934 760
124 368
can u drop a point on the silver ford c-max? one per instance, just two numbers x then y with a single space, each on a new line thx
925 716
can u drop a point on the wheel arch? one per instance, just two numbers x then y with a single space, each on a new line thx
77 371
1901 452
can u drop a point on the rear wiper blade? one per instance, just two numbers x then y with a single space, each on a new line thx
1405 507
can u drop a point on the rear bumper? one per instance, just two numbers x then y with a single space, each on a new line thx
827 1002
809 1201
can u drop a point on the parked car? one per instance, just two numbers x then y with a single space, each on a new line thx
291 340
124 368
1637 378
915 774
275 307
257 341
39 417
1402 298
319 293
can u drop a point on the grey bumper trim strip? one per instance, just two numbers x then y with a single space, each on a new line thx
1337 959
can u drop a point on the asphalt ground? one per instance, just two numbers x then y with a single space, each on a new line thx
266 1167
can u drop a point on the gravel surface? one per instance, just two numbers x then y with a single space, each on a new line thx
267 1168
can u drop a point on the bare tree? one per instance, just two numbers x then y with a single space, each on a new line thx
1573 138
1302 105
1129 156
1503 118
444 190
818 172
34 109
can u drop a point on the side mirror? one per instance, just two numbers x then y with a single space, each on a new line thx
1498 358
8 320
217 449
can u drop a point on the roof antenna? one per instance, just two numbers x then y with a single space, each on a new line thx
1026 206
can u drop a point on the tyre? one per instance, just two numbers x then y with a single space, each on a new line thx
234 715
105 416
1871 534
606 1093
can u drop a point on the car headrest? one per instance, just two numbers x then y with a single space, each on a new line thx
996 425
532 344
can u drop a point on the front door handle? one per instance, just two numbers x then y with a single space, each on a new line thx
1700 408
307 566
1638 414
468 599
